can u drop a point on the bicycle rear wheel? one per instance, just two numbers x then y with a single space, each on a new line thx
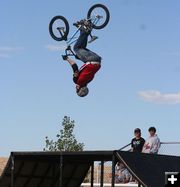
59 28
99 16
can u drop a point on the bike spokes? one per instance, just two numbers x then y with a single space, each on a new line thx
59 28
99 16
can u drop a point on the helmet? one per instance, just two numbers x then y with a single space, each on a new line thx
83 91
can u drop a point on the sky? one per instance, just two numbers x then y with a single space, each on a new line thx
137 86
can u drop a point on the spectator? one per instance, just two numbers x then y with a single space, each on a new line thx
122 174
152 144
137 143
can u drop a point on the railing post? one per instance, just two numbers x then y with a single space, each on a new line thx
102 173
12 170
113 170
61 171
92 174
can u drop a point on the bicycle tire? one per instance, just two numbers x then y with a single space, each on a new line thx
107 15
65 34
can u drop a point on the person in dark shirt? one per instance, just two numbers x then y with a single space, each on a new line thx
137 143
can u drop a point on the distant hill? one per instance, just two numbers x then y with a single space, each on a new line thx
3 162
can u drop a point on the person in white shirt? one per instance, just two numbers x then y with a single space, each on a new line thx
152 144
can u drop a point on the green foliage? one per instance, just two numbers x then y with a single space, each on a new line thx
66 140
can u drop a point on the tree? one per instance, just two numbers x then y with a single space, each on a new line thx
66 140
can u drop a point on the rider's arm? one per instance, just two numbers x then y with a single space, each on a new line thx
75 69
76 73
71 62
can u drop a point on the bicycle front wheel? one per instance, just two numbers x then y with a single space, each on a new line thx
59 28
99 16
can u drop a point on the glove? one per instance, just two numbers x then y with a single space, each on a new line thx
64 57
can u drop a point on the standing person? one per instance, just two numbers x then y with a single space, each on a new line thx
152 144
92 61
137 142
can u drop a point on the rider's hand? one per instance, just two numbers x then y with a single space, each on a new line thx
65 57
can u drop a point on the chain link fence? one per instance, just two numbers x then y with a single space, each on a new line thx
170 148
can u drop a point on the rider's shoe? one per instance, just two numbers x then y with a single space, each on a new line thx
88 25
79 23
84 25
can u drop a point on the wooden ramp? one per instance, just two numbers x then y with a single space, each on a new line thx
68 169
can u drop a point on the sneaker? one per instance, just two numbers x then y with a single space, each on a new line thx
88 25
84 25
79 23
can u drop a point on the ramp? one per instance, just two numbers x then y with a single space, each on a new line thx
68 169
149 169
49 169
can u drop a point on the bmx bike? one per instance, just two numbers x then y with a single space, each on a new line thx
98 15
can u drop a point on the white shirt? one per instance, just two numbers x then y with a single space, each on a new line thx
152 145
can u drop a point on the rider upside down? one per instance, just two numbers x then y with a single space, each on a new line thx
92 61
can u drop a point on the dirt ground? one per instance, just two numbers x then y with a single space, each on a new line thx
3 162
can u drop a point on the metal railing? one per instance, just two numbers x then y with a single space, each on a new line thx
166 148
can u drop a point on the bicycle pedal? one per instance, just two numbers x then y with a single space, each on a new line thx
93 38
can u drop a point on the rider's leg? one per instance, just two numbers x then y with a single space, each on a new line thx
82 52
81 41
75 69
92 56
